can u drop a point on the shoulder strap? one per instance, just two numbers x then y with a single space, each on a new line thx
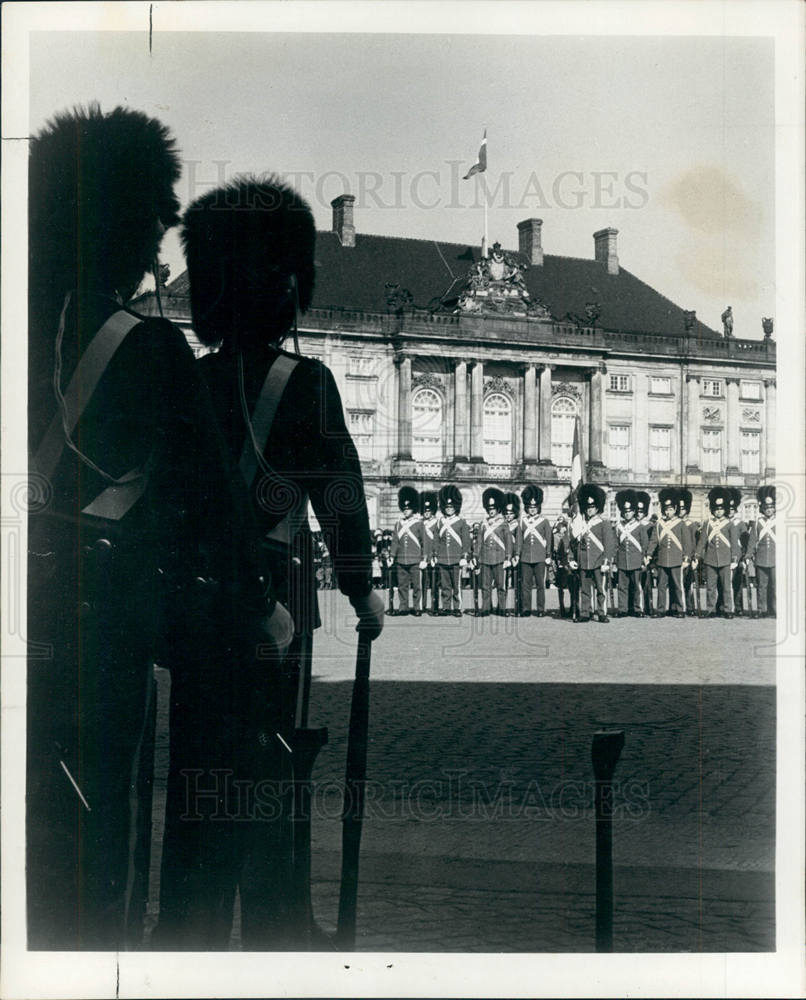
263 417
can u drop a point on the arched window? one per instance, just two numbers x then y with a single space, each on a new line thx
426 426
563 417
497 430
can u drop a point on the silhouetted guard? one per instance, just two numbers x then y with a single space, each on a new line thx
605 751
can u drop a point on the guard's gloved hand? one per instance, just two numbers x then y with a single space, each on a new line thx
277 628
370 614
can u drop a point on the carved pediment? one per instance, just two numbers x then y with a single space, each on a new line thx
497 383
751 415
711 413
566 389
426 380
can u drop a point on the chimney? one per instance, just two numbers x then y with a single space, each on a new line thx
529 241
606 249
343 219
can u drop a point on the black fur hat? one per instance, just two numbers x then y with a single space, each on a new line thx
98 183
590 491
627 496
250 253
735 496
408 493
515 500
643 498
718 493
450 492
492 493
668 494
685 498
763 492
429 498
532 492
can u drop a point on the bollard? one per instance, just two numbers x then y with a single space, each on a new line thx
605 751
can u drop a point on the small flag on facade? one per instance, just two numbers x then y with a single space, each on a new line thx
577 467
481 164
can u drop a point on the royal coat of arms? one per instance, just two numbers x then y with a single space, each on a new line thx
496 284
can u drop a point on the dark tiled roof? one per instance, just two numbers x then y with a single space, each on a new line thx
356 278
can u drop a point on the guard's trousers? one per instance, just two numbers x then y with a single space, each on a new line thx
533 575
670 578
450 586
629 586
591 580
765 580
408 576
492 576
718 584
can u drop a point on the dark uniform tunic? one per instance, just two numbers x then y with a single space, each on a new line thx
493 549
408 551
453 545
535 551
594 544
670 546
718 547
632 539
761 550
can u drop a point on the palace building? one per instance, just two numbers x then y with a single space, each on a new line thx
460 366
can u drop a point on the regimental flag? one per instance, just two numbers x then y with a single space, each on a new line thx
481 164
577 478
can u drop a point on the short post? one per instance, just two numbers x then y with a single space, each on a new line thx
605 751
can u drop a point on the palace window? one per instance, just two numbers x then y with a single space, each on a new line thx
563 419
618 446
660 449
712 387
362 425
711 449
426 426
620 383
751 453
750 390
497 430
660 386
361 365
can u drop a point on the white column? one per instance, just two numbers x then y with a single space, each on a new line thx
596 415
461 423
769 427
693 424
544 444
529 415
477 412
732 428
404 409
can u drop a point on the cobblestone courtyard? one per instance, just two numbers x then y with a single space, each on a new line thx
479 833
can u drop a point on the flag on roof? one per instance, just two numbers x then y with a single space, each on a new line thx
481 164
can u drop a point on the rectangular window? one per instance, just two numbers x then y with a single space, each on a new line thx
660 449
361 365
711 450
751 453
750 390
659 386
618 446
620 383
711 387
362 425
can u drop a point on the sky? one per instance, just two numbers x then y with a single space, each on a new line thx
668 139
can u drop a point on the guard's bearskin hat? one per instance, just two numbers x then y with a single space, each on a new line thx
428 501
590 491
98 183
249 247
408 493
668 495
623 497
515 500
530 493
492 493
765 492
735 496
718 493
452 493
643 499
685 498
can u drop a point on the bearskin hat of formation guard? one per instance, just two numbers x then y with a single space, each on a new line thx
590 491
515 500
624 497
718 493
98 184
408 494
763 493
668 495
450 493
428 502
249 247
735 497
530 493
643 501
492 493
684 499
